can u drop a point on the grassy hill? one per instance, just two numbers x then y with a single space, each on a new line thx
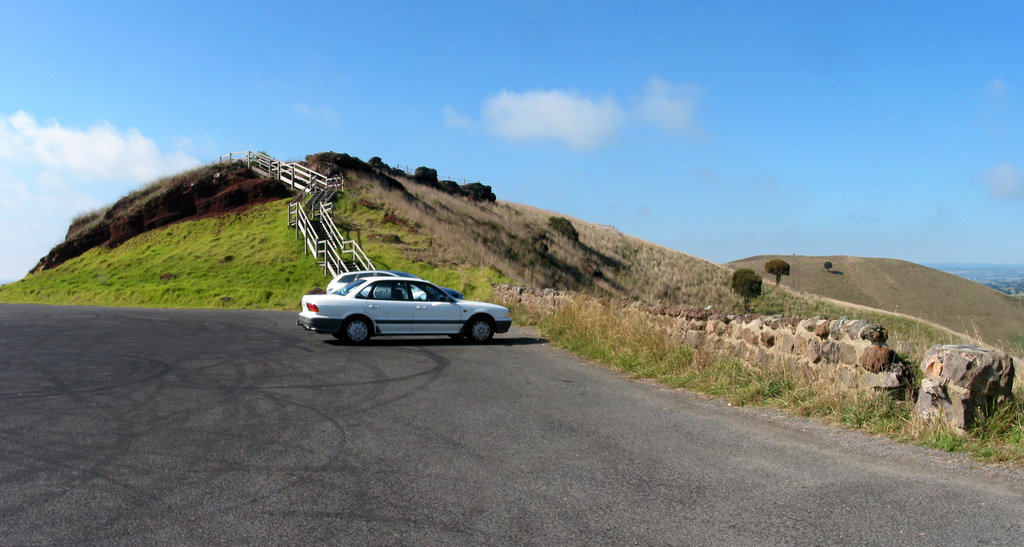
986 315
251 258
236 260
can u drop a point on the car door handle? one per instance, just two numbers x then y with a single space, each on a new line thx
373 306
421 307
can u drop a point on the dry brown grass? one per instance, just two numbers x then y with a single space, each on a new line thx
518 241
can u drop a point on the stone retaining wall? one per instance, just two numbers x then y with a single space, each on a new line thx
960 384
854 353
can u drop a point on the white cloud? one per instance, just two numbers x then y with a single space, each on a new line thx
101 152
581 122
43 168
670 107
34 216
1004 181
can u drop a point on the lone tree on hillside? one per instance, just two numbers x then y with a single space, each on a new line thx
747 284
778 268
828 266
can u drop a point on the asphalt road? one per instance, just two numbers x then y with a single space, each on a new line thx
132 426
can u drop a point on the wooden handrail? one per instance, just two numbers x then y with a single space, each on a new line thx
315 192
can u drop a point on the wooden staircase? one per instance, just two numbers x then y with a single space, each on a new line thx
311 212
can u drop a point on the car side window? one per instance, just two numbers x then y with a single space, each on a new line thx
366 292
382 291
385 290
428 292
417 292
398 291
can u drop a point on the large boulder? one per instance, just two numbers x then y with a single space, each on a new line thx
477 192
876 358
333 164
962 383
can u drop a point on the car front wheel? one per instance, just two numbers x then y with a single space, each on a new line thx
479 330
354 331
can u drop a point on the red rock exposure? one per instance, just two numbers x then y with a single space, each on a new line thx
204 192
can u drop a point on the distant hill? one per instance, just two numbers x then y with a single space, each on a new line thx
1007 278
907 288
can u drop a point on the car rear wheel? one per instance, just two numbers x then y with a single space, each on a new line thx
479 329
354 331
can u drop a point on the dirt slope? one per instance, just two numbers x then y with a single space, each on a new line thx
207 191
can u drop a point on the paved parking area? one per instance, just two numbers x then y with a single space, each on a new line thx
180 427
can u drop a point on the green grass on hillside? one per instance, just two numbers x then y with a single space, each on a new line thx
394 244
246 260
238 260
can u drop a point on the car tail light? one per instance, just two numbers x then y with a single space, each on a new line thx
312 307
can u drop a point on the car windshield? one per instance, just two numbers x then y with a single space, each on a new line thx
350 287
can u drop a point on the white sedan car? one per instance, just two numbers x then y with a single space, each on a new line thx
399 306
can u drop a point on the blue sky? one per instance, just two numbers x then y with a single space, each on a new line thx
721 129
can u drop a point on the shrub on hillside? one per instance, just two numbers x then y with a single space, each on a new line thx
778 268
564 226
746 283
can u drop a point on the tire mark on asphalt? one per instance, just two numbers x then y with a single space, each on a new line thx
263 427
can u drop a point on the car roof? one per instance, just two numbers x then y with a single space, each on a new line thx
393 278
376 273
401 274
